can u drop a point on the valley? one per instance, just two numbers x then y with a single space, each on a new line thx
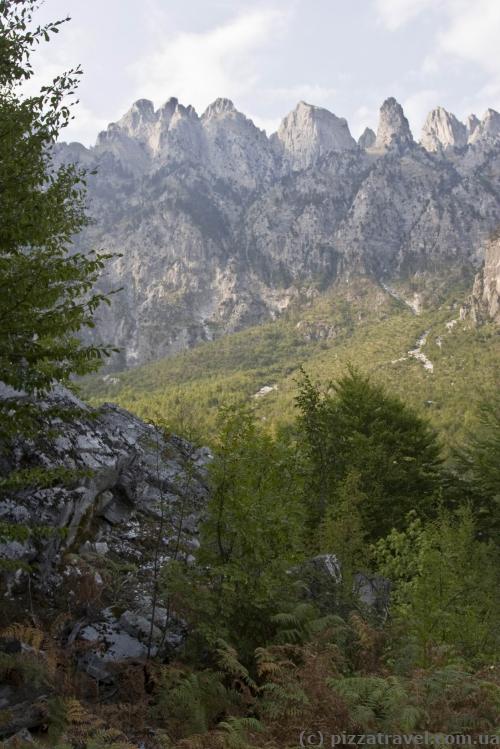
443 373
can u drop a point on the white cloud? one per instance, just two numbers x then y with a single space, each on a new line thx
417 106
473 33
465 33
199 67
269 124
312 93
396 13
84 127
363 117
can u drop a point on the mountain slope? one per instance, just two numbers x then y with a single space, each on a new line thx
437 361
220 227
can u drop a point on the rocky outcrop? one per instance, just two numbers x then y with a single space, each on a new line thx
132 499
488 129
483 304
393 128
321 578
308 133
443 130
232 139
471 124
367 138
220 227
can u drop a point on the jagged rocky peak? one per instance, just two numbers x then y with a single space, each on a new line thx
488 128
443 130
220 106
393 127
141 115
471 124
367 138
237 150
309 132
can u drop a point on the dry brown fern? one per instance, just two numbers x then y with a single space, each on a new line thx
31 636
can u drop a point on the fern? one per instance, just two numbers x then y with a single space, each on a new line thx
227 658
28 635
378 703
235 730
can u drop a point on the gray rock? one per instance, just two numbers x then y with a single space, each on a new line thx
137 625
443 130
103 523
483 305
308 133
488 129
367 138
22 707
322 576
19 739
221 227
393 127
373 591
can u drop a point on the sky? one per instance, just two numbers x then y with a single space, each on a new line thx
267 55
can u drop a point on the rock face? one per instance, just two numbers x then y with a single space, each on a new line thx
133 494
310 132
471 124
367 138
393 127
443 130
488 129
484 303
220 227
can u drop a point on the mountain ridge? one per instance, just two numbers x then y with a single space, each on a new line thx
220 227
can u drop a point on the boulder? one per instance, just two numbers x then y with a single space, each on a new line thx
322 576
128 476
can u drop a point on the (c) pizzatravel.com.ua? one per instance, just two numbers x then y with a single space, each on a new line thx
312 738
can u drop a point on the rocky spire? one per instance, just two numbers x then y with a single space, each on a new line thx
443 130
236 149
393 127
138 120
309 132
218 107
488 128
367 138
471 124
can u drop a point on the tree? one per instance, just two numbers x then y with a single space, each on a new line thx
46 290
354 426
250 538
479 468
445 589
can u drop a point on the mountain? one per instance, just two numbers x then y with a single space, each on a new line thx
443 130
483 305
220 227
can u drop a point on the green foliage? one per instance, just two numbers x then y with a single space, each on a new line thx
479 467
190 702
342 532
250 537
356 428
447 602
235 367
47 295
378 703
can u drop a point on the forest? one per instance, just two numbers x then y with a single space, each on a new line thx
346 576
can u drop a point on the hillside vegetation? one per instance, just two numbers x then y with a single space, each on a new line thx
362 325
